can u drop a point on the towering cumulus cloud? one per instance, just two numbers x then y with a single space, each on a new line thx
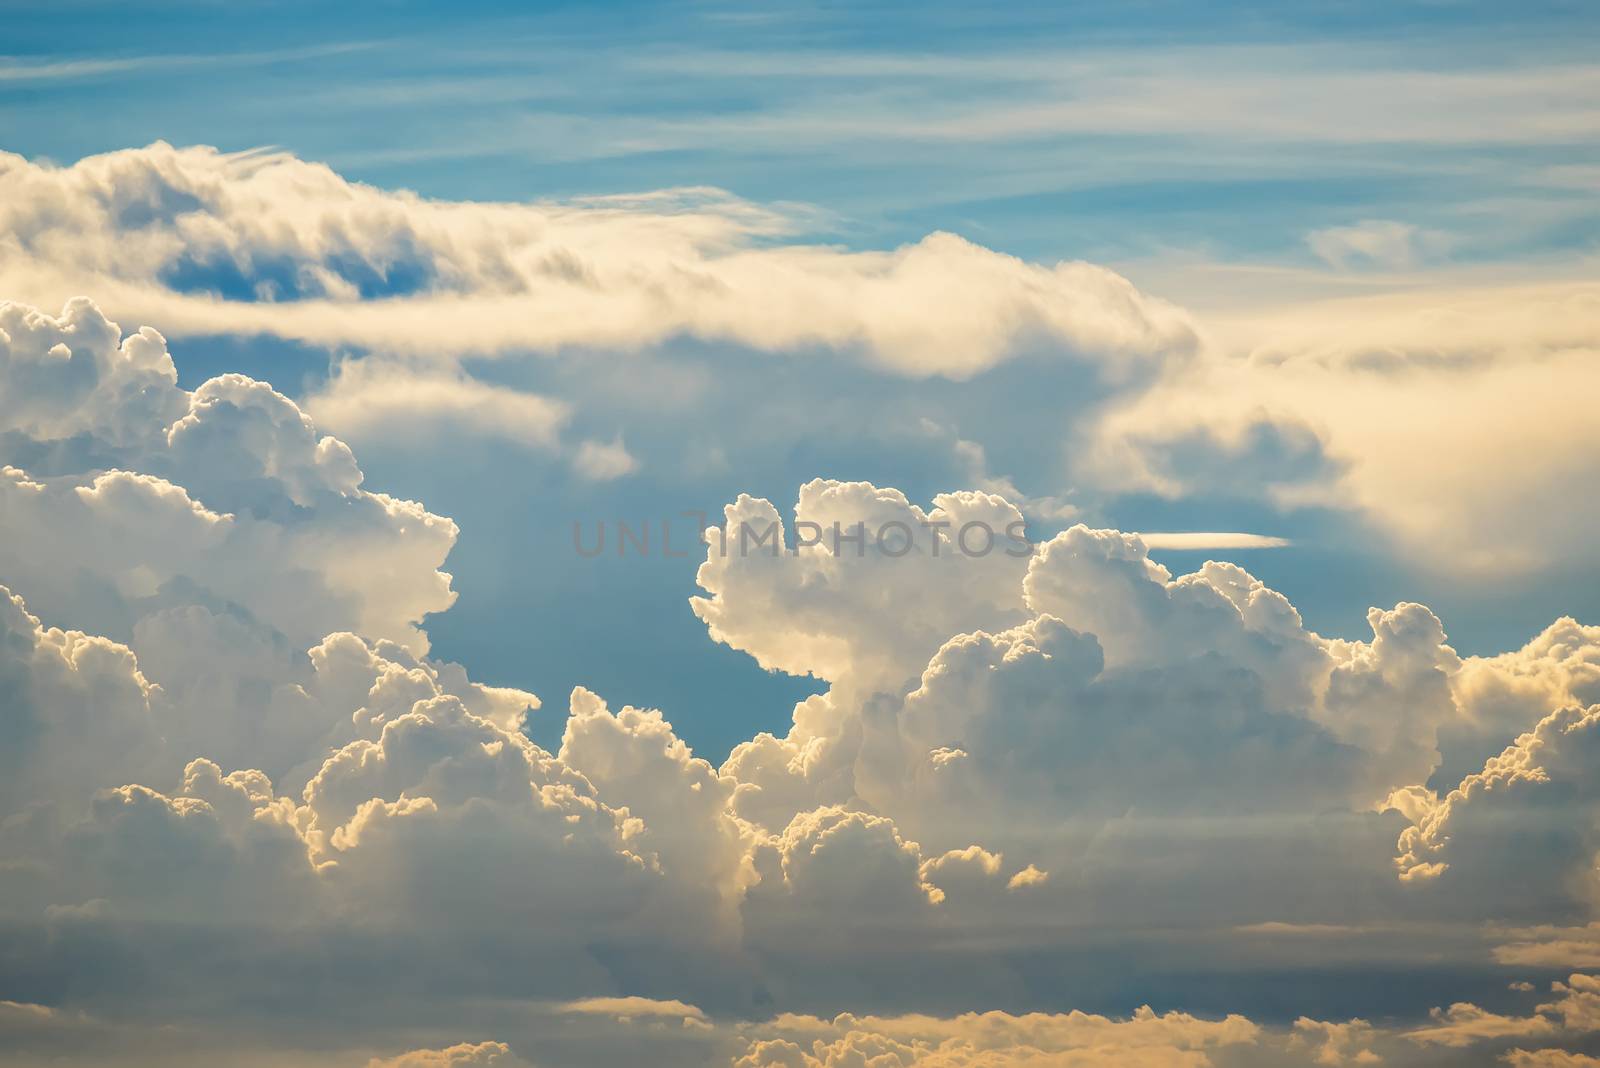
246 818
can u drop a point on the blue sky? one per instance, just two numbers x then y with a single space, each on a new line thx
890 121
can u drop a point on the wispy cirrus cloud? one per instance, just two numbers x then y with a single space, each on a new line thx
67 69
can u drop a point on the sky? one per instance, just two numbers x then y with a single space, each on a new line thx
340 347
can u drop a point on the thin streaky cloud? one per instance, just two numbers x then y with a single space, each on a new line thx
68 69
1220 539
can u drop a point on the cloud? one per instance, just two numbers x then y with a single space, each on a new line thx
1145 1040
1533 807
1013 739
633 1008
1575 1011
1465 1025
1111 713
24 1011
870 614
372 400
688 830
153 496
75 375
266 243
1503 696
1296 402
1303 91
1399 407
1029 876
1337 1043
1192 540
78 714
463 1055
1551 947
73 69
426 789
244 768
133 805
1549 1058
830 859
602 461
438 790
1381 243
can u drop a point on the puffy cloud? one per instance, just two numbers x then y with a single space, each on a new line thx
602 461
243 695
425 784
963 870
1549 1058
432 830
1104 583
227 848
1336 1043
868 586
1125 729
1575 1012
264 242
208 775
1530 810
1578 1005
62 378
831 859
689 830
1029 876
462 1055
973 693
413 775
76 716
257 773
1145 1040
1027 721
1502 696
1393 696
402 819
224 497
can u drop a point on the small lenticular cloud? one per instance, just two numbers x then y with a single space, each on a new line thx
1212 539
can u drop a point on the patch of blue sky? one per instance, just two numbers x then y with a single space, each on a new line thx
1107 130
